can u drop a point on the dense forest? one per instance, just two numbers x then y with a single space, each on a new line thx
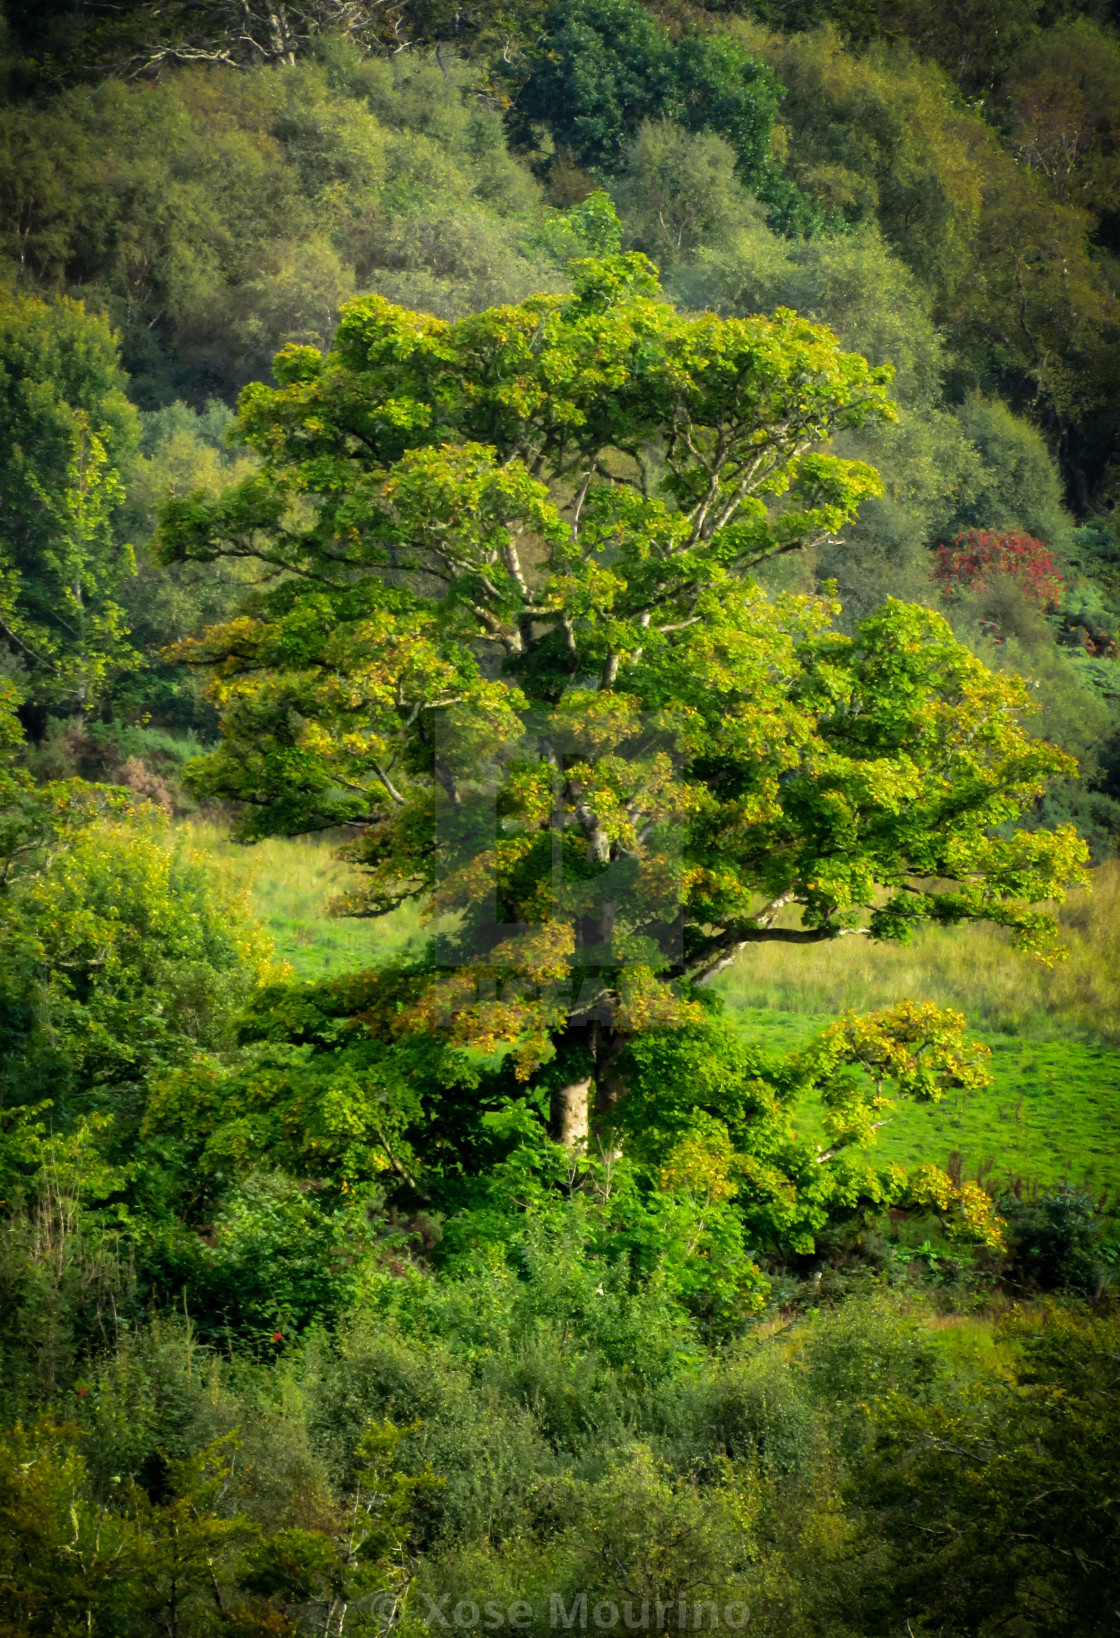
559 817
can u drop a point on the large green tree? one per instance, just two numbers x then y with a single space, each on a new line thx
512 637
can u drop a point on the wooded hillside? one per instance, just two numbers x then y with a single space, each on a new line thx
559 811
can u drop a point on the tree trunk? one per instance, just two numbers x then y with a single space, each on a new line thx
610 1087
585 1105
570 1114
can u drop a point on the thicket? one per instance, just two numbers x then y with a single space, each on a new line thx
811 1482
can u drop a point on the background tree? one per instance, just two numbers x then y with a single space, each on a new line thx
66 425
603 67
1061 95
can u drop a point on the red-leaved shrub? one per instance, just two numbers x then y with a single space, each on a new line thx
975 558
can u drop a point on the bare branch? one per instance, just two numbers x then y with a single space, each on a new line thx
388 784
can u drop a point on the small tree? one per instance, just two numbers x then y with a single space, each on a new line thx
67 627
512 638
65 427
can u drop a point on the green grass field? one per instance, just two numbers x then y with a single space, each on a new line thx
974 969
1051 1114
291 884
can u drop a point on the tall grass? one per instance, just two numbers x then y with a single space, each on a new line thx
291 882
973 969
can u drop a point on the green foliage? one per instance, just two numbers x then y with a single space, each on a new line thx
220 216
181 452
883 136
70 653
147 761
326 1091
788 1187
890 762
183 1556
813 1474
679 191
878 136
707 1162
1052 1242
850 281
609 66
604 68
644 1534
975 41
1061 94
590 228
58 1565
279 1260
1017 485
65 1275
121 956
997 1507
63 420
1044 1117
35 819
497 1263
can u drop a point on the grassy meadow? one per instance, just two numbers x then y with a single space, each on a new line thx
973 969
291 884
1052 1113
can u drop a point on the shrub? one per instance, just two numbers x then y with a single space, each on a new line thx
976 557
1053 1241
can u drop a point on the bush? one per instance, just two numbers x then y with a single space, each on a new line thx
977 558
1053 1241
123 958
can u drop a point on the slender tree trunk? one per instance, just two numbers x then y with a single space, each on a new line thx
570 1114
610 1086
585 1105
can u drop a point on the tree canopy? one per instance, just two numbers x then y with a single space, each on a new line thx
511 570
605 66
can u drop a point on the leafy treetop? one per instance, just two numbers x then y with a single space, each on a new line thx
601 67
65 425
556 508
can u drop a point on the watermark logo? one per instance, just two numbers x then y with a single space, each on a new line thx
571 819
581 1611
